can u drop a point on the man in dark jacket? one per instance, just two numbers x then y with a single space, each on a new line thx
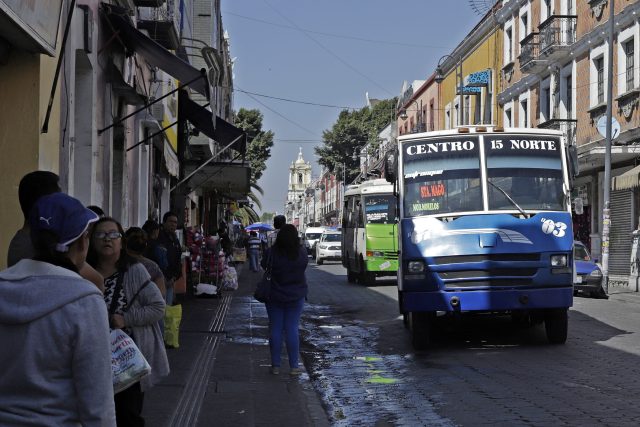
169 240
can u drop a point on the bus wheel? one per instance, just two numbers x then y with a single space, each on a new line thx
351 275
367 278
556 322
420 328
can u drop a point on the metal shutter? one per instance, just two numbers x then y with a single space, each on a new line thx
620 232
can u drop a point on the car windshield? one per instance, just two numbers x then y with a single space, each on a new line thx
580 253
313 236
331 238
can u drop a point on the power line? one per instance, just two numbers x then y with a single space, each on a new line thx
297 101
330 52
413 45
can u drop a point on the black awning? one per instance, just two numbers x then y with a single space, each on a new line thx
223 132
154 53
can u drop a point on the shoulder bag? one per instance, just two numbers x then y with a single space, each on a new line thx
263 289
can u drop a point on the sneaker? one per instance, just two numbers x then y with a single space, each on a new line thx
275 370
295 371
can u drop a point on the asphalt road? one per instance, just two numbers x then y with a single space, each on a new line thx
480 371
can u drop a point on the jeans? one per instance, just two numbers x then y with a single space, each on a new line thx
168 297
284 317
253 260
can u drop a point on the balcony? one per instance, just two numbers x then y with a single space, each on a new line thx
148 3
567 126
162 23
557 35
530 61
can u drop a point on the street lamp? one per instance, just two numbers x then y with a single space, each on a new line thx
459 80
404 116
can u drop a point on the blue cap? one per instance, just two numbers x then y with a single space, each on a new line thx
63 215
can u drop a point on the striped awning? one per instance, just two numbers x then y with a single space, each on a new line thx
627 181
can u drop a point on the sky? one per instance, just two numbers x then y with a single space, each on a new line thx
330 52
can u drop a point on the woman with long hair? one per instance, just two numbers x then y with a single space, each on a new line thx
135 305
55 353
288 262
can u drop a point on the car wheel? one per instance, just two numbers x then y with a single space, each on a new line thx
556 322
319 260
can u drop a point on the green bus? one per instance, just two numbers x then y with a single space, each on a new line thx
369 231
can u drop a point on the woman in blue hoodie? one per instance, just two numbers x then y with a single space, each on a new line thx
55 353
288 261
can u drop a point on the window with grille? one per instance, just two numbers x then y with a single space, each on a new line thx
599 64
629 65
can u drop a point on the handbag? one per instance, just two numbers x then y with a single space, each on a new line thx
263 288
128 365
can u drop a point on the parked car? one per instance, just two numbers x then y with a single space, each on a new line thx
588 277
329 247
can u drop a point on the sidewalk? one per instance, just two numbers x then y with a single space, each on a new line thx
220 373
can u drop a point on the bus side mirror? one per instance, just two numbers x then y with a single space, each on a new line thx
391 166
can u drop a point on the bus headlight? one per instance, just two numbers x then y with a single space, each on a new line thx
596 273
558 260
375 254
415 267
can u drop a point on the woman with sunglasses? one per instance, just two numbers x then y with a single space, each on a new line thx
133 306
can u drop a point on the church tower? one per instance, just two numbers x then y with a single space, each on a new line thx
299 178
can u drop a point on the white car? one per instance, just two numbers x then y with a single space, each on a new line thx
329 247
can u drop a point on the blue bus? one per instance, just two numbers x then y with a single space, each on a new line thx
485 226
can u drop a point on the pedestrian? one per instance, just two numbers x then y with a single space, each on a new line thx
278 222
33 186
253 251
169 240
155 251
98 210
288 262
56 352
225 240
135 305
135 240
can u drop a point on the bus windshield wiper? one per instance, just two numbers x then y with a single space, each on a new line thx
513 202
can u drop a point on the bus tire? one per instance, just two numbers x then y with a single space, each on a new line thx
351 275
556 322
367 278
420 327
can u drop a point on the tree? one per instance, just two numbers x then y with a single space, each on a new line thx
267 217
351 131
259 142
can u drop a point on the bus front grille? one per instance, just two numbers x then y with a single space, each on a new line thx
488 283
458 259
472 274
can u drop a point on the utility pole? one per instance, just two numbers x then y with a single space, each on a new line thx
606 214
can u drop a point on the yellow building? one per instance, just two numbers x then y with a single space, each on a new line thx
28 43
478 59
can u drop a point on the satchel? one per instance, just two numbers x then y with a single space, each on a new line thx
128 365
263 288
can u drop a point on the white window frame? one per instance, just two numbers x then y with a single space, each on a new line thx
545 100
447 116
508 106
524 32
623 38
526 96
564 7
569 69
597 52
509 26
543 10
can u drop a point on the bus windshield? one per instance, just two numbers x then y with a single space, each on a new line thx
380 209
442 175
528 170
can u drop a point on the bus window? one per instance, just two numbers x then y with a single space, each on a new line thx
380 209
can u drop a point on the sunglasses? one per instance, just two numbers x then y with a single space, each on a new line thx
112 235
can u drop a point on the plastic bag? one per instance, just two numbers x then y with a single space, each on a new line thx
230 279
128 365
172 318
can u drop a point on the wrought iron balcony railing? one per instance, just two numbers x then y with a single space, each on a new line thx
556 32
529 50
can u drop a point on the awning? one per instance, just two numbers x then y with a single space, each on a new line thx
121 88
154 53
230 179
627 181
223 132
